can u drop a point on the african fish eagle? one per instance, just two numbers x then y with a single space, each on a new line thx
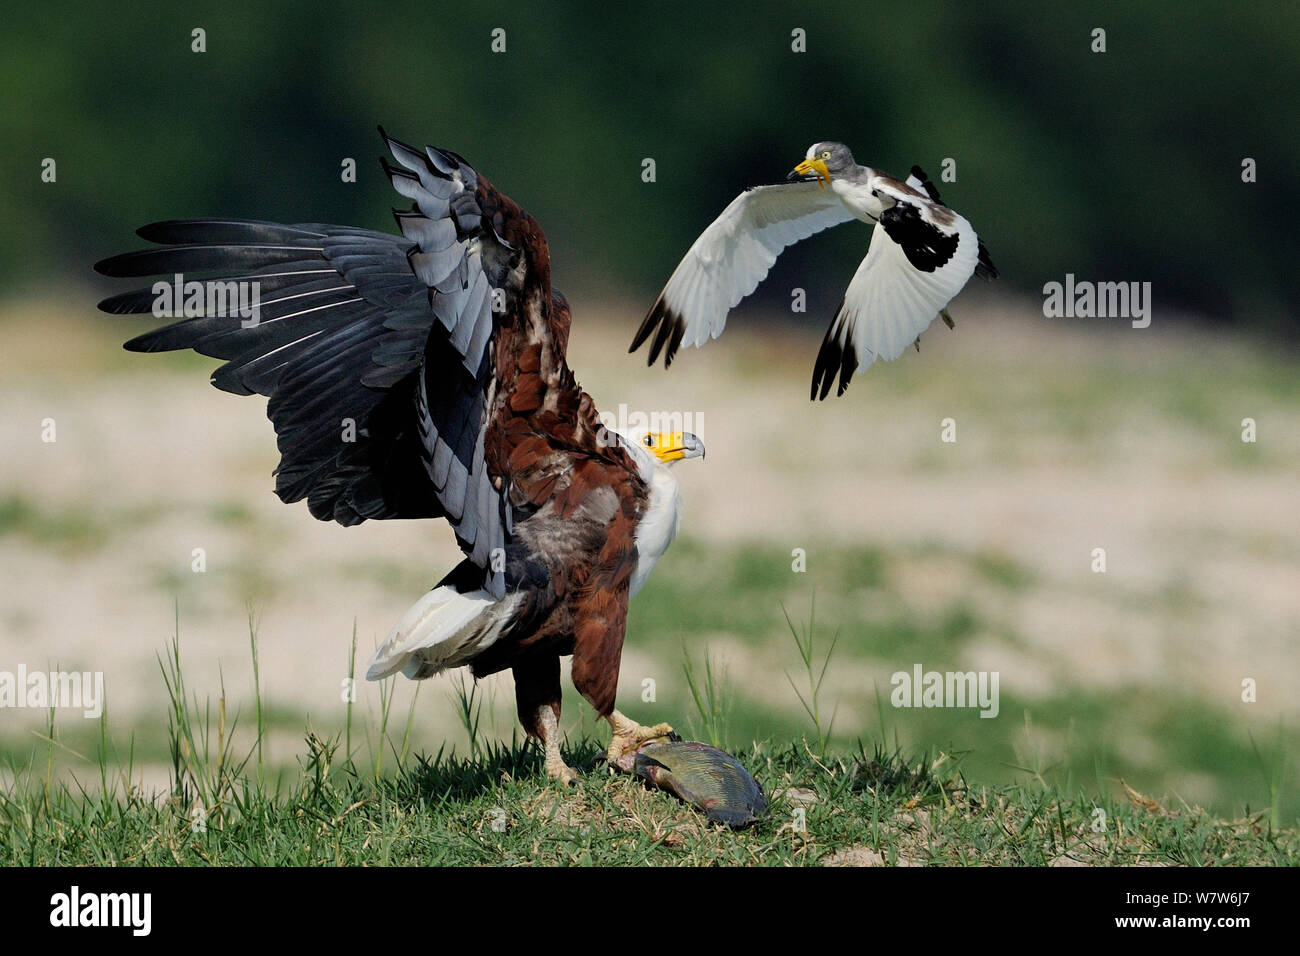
445 346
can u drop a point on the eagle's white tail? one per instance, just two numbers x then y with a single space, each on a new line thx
443 629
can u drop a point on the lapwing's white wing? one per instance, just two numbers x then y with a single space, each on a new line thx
731 257
921 255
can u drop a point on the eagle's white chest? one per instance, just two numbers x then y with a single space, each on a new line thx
859 200
658 526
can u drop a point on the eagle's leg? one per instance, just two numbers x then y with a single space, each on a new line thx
537 698
556 769
628 734
598 643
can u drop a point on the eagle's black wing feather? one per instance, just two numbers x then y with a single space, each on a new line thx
373 349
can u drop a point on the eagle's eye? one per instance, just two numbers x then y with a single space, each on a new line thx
648 441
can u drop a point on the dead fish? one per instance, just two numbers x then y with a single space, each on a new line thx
703 776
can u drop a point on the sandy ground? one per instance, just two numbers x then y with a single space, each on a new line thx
150 463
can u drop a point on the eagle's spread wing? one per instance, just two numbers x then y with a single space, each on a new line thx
730 258
921 255
375 351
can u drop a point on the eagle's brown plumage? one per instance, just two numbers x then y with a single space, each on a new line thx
446 348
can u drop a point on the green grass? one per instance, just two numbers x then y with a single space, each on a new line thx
870 804
863 806
1160 738
730 669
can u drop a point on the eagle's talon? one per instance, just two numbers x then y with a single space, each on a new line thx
629 735
563 774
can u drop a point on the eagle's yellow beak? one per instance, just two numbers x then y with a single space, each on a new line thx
813 167
669 447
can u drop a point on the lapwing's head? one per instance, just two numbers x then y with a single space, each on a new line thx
823 163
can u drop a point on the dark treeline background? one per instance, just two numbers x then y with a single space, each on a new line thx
1124 165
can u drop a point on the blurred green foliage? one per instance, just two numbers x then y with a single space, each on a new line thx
1124 165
